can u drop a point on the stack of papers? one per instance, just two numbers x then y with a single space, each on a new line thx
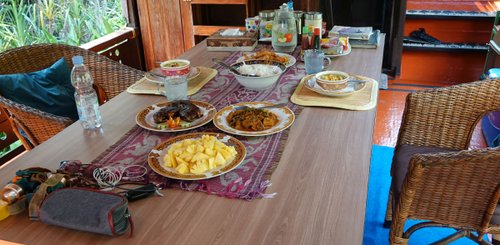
372 41
362 33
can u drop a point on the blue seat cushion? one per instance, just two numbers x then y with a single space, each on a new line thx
49 90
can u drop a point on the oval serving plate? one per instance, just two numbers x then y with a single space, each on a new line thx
156 162
152 77
144 117
285 115
352 87
291 59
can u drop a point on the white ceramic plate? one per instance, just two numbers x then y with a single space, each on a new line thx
150 76
291 59
348 51
352 87
285 116
145 117
156 162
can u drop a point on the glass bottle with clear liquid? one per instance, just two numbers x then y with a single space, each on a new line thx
85 95
284 30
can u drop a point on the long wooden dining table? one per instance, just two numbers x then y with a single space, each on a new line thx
321 181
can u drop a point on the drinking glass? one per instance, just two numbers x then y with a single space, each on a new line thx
176 87
314 60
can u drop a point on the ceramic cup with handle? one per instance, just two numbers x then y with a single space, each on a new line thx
315 60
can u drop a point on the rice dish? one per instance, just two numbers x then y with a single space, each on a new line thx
260 70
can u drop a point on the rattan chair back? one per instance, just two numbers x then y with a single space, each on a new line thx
459 189
110 76
446 117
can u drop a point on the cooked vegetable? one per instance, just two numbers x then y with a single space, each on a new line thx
252 119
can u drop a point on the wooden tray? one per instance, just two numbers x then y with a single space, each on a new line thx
145 86
364 99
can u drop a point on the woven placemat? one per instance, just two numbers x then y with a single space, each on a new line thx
144 86
365 99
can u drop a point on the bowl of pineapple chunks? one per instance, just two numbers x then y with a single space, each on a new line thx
196 156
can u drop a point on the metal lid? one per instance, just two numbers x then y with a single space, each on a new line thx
266 13
313 15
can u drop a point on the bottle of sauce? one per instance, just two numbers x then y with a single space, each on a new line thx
316 38
284 38
305 40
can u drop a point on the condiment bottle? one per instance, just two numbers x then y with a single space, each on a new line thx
298 19
316 38
284 30
305 39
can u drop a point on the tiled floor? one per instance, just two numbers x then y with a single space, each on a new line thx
390 108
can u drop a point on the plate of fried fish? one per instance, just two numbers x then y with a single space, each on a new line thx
176 116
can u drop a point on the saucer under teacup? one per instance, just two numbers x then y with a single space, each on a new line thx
353 86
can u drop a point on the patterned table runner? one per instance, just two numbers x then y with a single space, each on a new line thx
251 178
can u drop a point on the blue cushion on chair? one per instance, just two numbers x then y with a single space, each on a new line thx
49 90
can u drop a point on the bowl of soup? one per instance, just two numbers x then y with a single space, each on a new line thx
176 67
332 80
257 74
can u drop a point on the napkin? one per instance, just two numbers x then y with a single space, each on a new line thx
232 32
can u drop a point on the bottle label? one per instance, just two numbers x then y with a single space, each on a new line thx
266 29
88 110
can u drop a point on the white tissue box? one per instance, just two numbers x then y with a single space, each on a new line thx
245 42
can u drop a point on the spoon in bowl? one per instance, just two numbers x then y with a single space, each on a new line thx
217 61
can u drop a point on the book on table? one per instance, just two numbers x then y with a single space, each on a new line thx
372 41
352 32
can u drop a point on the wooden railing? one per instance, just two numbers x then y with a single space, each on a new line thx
123 46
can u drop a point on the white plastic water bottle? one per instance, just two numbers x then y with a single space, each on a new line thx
85 95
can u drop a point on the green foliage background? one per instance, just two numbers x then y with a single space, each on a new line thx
74 22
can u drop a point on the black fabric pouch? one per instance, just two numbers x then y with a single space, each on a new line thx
87 210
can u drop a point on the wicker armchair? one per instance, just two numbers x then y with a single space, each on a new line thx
110 79
457 188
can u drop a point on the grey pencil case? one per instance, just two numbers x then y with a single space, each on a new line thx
87 210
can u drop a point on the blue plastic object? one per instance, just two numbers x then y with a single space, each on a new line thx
491 128
494 73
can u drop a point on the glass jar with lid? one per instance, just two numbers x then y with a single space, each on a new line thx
266 24
314 20
284 37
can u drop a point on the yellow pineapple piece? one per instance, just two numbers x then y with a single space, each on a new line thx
211 163
182 168
219 159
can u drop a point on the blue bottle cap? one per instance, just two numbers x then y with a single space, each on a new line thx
77 60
